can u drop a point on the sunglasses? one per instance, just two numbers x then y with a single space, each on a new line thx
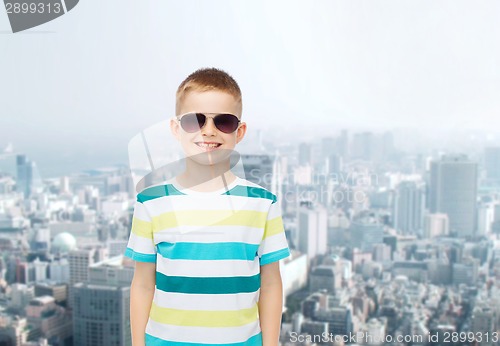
193 122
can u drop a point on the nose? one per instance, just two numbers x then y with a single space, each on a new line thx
209 129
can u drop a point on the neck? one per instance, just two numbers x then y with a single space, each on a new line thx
212 177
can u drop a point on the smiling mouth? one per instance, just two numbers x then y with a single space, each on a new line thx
208 146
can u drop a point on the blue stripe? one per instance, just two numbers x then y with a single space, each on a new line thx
274 256
141 257
208 285
239 190
158 191
255 340
208 251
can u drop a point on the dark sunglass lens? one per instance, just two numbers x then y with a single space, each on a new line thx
226 123
193 122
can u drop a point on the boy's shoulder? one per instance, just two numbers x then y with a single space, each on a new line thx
162 189
252 190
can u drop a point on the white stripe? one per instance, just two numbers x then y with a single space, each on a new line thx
160 205
141 244
207 268
274 211
202 334
217 302
210 234
273 243
140 212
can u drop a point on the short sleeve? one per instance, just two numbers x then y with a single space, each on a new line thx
141 245
274 245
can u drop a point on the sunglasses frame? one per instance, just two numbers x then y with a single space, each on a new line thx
213 119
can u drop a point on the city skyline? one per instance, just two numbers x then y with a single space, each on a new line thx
378 243
69 160
359 65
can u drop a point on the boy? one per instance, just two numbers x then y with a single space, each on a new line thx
207 243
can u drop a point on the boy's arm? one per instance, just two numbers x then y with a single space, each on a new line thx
270 303
141 296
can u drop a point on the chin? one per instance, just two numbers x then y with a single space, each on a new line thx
211 158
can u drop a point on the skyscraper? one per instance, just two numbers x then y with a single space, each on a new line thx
24 179
363 145
79 262
101 314
312 231
343 144
409 207
305 154
453 191
492 162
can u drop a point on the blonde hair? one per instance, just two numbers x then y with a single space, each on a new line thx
206 79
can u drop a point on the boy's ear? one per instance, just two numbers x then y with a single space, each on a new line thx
240 133
174 127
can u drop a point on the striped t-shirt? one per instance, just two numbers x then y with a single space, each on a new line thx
208 249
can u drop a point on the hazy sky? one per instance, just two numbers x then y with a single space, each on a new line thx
92 79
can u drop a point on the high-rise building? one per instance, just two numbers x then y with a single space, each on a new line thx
466 272
305 154
79 262
453 191
485 217
294 273
325 277
483 320
363 146
101 314
339 319
21 295
334 166
495 227
343 144
64 185
312 231
409 207
492 162
25 175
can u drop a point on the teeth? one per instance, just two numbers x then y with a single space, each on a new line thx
208 145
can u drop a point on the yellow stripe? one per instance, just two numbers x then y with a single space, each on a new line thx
142 228
204 318
273 226
172 219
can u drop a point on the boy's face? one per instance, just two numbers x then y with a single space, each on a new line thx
195 144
